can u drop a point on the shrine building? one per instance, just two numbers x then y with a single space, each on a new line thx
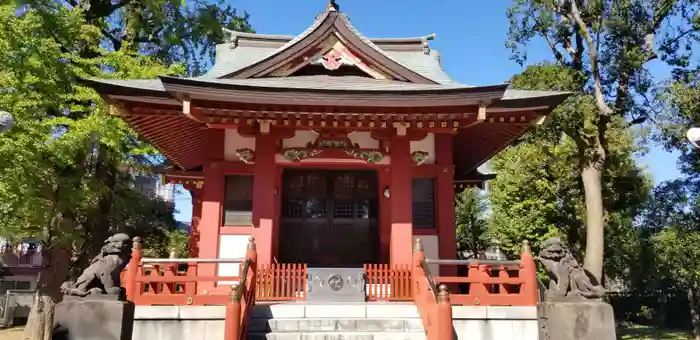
330 148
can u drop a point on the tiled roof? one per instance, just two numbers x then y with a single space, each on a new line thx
512 94
139 84
229 60
326 82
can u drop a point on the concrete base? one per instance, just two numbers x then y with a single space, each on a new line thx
372 321
576 321
82 319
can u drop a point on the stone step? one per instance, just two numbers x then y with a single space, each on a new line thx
339 336
336 311
335 325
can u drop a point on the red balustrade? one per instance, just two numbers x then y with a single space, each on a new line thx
175 281
493 283
434 306
239 308
488 283
281 282
388 282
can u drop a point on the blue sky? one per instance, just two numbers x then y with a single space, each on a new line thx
471 38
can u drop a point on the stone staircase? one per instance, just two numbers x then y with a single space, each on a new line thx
366 321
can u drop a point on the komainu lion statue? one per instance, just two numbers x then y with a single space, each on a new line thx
568 280
102 276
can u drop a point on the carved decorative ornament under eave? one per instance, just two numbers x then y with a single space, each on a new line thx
419 157
246 155
332 144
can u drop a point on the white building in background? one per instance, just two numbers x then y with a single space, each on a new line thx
152 185
21 263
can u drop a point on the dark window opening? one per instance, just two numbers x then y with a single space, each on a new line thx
238 200
423 203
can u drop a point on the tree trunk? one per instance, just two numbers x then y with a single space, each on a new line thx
97 225
694 311
591 175
55 272
98 221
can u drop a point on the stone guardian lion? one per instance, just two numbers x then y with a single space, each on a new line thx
567 279
102 276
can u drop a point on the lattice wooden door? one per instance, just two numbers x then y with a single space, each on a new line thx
329 218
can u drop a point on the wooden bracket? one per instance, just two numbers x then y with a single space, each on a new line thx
480 116
264 126
187 110
400 128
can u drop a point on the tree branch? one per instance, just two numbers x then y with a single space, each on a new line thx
680 36
552 45
115 42
660 14
557 54
575 14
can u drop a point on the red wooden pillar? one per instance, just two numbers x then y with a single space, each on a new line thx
193 243
401 201
264 181
212 199
445 194
384 181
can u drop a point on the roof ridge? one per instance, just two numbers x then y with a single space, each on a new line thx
231 35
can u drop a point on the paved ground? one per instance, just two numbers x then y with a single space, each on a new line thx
11 333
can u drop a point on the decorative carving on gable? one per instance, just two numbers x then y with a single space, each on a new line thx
339 55
332 60
333 144
331 54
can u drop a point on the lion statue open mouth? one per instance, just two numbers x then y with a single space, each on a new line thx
567 278
102 276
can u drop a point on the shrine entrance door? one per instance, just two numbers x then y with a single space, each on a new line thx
329 218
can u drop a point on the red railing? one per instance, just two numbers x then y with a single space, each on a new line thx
388 282
281 282
239 309
434 306
177 281
493 283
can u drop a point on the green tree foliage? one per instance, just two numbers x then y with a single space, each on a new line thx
607 45
174 31
538 192
681 101
48 164
671 246
61 167
472 222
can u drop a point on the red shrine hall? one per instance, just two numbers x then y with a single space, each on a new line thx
329 148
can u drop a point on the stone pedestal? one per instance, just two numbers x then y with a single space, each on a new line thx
83 319
585 320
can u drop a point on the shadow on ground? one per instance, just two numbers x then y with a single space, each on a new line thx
650 333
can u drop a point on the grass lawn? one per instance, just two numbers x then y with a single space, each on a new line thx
650 333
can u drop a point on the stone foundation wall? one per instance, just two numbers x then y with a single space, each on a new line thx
495 322
207 322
